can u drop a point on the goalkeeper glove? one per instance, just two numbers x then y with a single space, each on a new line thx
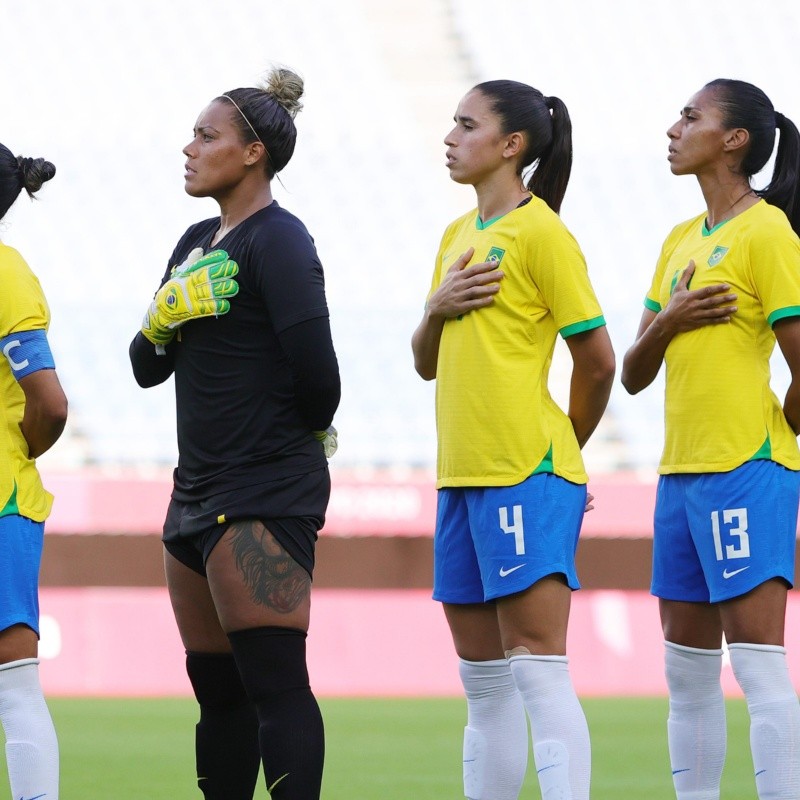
197 288
329 439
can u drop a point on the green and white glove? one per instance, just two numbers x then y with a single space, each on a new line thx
329 439
197 288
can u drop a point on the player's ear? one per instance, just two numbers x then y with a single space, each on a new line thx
253 153
515 144
735 139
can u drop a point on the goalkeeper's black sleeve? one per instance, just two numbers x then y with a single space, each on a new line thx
315 370
149 368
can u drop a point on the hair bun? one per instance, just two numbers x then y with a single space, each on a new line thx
35 172
286 87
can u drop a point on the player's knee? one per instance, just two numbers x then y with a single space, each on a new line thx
271 660
215 679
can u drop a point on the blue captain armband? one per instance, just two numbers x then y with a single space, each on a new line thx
27 352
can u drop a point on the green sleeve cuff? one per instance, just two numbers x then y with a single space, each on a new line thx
652 305
783 313
582 327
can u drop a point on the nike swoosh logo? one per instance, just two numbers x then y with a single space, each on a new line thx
504 571
729 574
676 771
38 796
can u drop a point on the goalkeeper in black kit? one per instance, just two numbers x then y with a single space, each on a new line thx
241 321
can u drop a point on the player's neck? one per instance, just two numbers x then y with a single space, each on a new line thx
724 200
237 207
497 197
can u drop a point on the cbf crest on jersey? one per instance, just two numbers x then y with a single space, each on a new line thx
495 255
717 255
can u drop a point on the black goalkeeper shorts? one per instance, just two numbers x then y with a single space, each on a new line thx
292 510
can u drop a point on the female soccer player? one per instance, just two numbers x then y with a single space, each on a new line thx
34 415
726 286
255 376
508 278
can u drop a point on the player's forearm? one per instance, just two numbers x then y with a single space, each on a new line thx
593 367
791 406
643 360
425 345
315 370
318 396
588 398
149 368
42 431
45 413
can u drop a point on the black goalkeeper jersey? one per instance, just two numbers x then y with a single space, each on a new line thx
252 384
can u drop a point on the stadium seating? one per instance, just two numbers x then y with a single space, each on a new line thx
368 178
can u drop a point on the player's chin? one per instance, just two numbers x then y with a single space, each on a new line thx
458 177
676 169
193 190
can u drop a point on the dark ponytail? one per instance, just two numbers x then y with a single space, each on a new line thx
548 130
18 173
746 106
784 188
551 176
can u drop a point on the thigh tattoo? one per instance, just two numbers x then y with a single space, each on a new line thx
274 579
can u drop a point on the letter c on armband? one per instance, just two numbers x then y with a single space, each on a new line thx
27 352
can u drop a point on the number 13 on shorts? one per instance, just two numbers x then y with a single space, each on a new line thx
736 519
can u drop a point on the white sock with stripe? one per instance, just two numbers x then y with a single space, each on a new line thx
496 736
696 727
31 744
561 747
763 674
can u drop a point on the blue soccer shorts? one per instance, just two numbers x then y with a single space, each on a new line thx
496 541
719 535
21 542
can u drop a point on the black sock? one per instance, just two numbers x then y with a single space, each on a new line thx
272 663
226 740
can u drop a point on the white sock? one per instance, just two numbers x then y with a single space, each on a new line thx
31 744
774 718
561 746
496 736
696 728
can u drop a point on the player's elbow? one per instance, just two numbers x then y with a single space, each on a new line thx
43 424
425 367
318 400
600 371
57 413
424 373
632 380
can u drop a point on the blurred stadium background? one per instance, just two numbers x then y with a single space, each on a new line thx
109 92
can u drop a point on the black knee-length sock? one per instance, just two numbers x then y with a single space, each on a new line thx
272 663
226 739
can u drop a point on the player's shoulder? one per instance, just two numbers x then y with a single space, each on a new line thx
687 227
276 224
464 222
13 266
766 222
197 232
537 228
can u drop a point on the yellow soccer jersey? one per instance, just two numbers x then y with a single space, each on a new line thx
719 409
495 417
22 308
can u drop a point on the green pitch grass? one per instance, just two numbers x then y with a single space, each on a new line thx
376 750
